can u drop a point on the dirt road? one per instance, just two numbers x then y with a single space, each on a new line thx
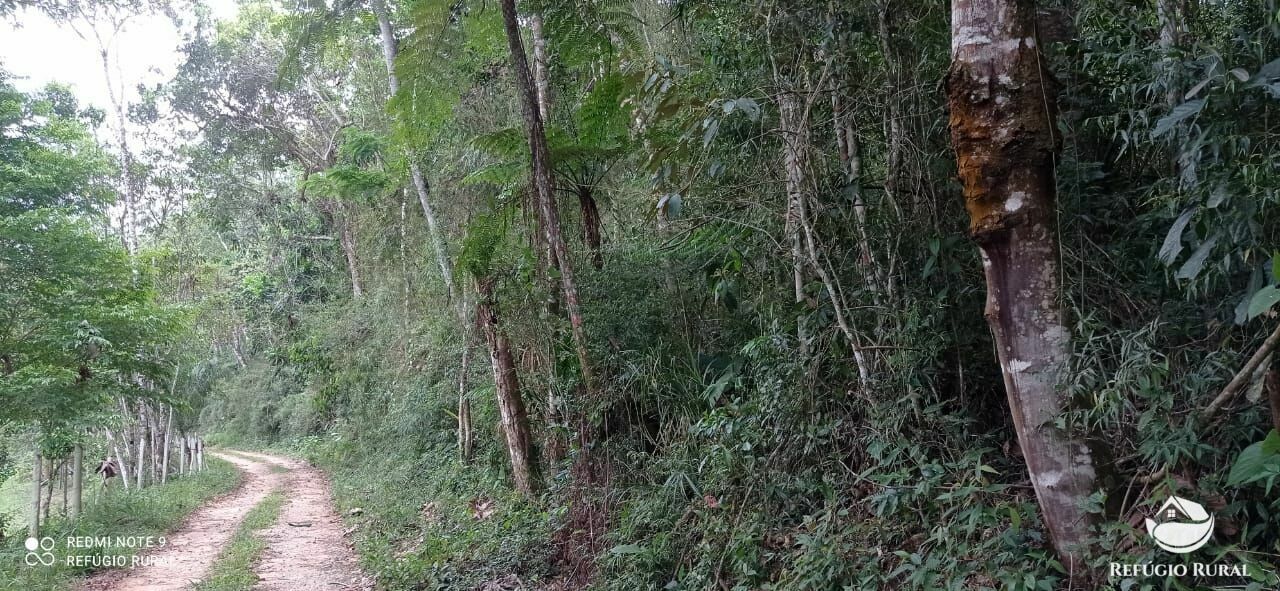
311 554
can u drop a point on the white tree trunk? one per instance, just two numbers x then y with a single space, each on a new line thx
164 467
141 467
121 458
77 480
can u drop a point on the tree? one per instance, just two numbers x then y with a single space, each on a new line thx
541 179
484 243
1003 130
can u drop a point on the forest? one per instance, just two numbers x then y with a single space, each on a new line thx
629 295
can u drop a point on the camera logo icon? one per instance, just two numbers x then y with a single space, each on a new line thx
39 552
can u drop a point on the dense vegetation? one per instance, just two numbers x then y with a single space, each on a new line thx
639 294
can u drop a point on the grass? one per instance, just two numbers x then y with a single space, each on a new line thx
152 511
233 571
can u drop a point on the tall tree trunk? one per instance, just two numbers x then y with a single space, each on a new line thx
895 132
128 196
390 49
77 480
540 157
37 474
541 66
1002 128
795 139
515 420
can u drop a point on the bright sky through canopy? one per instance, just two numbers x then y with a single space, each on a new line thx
37 50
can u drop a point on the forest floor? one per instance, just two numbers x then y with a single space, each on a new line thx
304 548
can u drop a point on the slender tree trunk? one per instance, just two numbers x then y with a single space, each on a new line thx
141 467
128 198
168 428
389 51
1273 394
153 434
1002 127
541 66
37 475
895 134
466 437
120 457
407 284
77 480
347 236
52 470
540 157
65 474
851 159
515 420
795 139
1169 15
200 453
591 226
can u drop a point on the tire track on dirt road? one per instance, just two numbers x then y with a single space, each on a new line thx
190 550
306 550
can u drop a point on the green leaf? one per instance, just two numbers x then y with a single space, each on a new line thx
1256 461
1275 266
627 549
1263 300
1194 264
1172 246
1179 114
1271 445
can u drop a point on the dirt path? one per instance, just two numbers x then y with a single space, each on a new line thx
296 558
191 549
310 555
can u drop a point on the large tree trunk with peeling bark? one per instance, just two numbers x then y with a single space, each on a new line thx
1002 121
515 420
540 159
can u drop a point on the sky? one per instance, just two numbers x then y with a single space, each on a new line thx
36 50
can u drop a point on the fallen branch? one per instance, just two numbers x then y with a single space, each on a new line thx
1242 378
